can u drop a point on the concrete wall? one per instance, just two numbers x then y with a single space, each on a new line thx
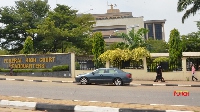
142 75
39 61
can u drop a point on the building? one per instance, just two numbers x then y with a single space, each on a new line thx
115 21
156 29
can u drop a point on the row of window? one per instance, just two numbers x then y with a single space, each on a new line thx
109 29
158 31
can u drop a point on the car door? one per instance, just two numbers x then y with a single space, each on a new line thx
108 75
97 76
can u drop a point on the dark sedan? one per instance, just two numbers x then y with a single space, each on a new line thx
105 76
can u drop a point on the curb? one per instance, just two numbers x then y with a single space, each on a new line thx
131 84
78 108
179 85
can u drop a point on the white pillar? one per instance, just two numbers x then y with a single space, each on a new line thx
154 34
163 33
147 35
145 64
72 65
107 64
184 63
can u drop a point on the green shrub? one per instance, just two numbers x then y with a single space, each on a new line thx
161 59
77 66
60 68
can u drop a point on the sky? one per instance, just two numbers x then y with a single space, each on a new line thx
149 9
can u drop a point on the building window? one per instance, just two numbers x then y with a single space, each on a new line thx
150 33
109 29
158 31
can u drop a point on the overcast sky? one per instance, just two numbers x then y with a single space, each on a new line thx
149 9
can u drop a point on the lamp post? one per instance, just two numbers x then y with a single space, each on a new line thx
133 27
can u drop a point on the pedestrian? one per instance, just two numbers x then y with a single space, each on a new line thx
159 74
193 72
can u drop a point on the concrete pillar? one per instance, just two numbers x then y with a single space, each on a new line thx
163 32
72 65
147 35
154 34
107 64
145 64
184 63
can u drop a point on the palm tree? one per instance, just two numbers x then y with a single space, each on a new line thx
184 4
133 39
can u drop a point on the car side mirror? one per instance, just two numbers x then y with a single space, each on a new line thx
93 73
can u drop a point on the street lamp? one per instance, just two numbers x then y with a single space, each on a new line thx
132 27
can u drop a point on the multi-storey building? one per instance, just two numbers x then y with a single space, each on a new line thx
115 21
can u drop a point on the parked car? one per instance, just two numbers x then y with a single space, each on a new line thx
105 76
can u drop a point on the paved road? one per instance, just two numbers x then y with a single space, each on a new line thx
126 94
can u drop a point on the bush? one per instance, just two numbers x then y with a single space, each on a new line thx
60 68
77 66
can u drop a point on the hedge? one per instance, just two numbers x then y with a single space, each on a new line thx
60 68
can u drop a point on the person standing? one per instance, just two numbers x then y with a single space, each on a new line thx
193 72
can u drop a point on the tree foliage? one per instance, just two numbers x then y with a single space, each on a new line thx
133 39
51 30
157 46
28 46
161 59
183 6
25 15
97 47
175 46
191 42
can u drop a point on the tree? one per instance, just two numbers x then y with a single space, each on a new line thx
3 52
50 34
134 39
156 46
65 27
28 46
175 46
98 47
25 15
191 42
184 4
76 28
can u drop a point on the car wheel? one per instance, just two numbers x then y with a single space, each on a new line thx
118 82
84 80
